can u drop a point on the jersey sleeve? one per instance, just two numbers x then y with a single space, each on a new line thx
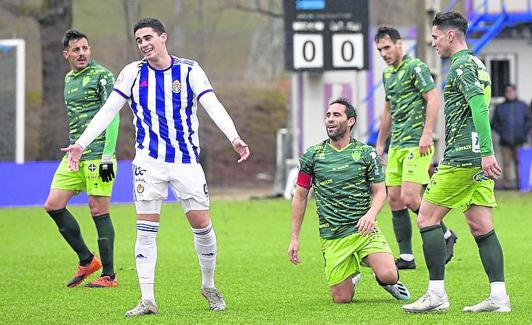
374 171
384 81
125 80
306 162
199 82
466 80
422 78
105 85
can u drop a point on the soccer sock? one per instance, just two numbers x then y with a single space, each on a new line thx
498 291
146 257
436 287
446 231
402 228
106 239
490 251
69 228
434 251
205 244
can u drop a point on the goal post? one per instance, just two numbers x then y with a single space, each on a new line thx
13 100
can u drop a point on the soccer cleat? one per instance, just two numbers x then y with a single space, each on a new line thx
449 244
490 305
405 265
105 281
84 271
398 290
215 299
145 307
428 303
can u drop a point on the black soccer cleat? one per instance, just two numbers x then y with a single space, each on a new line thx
449 243
405 265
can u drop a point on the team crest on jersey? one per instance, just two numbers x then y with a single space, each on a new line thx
140 189
176 87
85 81
356 155
480 177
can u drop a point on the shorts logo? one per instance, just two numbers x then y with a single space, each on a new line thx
140 189
176 87
206 190
92 167
480 177
410 156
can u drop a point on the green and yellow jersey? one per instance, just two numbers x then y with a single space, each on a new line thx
342 182
466 79
404 86
85 93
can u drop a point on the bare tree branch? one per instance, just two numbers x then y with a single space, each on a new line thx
258 9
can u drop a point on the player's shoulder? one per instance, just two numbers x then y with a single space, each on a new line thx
100 69
317 148
184 61
365 148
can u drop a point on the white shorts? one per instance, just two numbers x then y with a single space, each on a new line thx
151 179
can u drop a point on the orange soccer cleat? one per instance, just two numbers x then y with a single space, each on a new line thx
84 271
105 281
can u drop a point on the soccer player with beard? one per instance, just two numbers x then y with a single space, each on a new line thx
163 91
344 172
465 177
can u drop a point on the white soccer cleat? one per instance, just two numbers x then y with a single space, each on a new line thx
490 305
215 299
428 303
145 307
398 290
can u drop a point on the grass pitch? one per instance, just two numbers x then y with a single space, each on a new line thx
259 283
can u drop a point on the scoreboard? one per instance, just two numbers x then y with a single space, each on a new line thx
323 35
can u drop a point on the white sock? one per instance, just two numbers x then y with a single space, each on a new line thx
498 291
146 257
436 287
447 234
407 257
205 244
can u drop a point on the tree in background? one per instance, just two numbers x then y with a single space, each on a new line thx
53 17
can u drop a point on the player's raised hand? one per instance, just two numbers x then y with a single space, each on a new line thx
241 148
293 248
490 167
425 144
74 155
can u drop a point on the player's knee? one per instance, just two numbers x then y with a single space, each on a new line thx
387 276
423 221
97 211
342 297
50 205
395 201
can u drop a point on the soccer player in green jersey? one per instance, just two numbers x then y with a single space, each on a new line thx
464 179
344 172
410 108
87 87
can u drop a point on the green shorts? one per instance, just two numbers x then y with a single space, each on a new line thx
407 165
455 187
86 179
342 256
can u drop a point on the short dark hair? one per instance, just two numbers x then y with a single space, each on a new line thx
155 24
452 19
70 35
350 110
514 87
389 31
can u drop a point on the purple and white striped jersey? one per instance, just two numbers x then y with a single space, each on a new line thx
164 104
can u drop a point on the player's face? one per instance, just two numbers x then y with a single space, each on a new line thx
441 41
150 44
336 121
78 54
391 52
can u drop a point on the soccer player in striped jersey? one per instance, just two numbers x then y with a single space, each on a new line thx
163 92
465 178
87 86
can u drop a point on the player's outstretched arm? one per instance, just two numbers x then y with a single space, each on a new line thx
299 205
366 224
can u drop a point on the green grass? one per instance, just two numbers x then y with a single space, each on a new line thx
254 274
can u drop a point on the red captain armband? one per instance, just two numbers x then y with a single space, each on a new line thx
304 180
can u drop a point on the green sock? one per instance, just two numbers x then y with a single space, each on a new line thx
402 227
490 251
434 251
106 239
443 227
69 228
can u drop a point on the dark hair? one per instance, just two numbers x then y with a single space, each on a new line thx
155 24
349 108
514 87
389 31
452 19
72 34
